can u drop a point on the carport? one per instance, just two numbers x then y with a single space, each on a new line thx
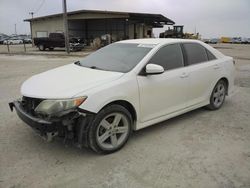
89 24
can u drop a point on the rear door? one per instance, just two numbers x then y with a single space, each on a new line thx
162 94
57 40
202 69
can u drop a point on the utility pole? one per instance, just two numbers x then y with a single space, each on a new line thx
31 25
66 29
15 30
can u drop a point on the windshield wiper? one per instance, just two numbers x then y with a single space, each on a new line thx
94 67
78 63
91 67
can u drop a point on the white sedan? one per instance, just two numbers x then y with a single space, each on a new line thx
126 86
13 41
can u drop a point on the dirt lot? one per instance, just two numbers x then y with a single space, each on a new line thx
198 149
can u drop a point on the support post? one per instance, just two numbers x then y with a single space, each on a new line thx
8 47
66 29
24 46
31 25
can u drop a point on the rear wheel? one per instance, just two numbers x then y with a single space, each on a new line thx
41 47
218 95
110 129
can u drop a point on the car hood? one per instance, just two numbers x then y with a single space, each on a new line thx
66 82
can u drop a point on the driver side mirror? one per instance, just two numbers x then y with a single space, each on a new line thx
154 69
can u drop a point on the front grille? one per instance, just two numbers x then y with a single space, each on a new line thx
30 104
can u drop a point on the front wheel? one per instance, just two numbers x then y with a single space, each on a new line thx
218 95
110 129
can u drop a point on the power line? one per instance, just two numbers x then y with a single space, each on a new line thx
43 1
34 5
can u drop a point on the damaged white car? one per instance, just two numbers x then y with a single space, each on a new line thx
98 101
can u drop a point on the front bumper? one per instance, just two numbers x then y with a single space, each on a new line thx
40 125
76 47
72 125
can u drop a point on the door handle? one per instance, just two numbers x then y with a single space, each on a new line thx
184 75
216 66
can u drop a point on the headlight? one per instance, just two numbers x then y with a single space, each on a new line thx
49 107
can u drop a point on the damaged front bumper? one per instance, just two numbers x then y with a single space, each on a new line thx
45 128
71 125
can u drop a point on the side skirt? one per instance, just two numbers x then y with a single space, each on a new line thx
169 116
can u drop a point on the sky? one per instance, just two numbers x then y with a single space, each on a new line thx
211 18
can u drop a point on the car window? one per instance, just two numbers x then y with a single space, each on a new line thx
169 57
195 53
210 55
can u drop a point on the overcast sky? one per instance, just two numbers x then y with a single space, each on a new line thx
211 18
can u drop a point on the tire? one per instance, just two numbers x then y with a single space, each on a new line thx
218 95
41 47
110 129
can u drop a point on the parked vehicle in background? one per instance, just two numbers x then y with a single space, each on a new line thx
236 40
178 32
211 41
245 41
123 87
214 41
27 40
13 41
225 40
3 38
56 40
205 41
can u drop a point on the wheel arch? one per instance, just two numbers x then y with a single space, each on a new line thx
227 83
126 105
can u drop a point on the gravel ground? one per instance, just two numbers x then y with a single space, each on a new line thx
198 149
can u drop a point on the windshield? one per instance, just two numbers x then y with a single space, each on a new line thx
118 57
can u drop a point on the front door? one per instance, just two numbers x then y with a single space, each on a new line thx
164 93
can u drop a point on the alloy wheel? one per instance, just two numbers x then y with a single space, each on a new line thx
219 95
112 131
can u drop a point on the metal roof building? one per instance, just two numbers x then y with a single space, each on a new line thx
89 24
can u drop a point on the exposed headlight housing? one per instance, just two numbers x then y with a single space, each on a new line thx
49 107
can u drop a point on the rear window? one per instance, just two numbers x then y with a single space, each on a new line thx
195 53
210 56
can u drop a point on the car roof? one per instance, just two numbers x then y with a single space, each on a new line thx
156 41
164 41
